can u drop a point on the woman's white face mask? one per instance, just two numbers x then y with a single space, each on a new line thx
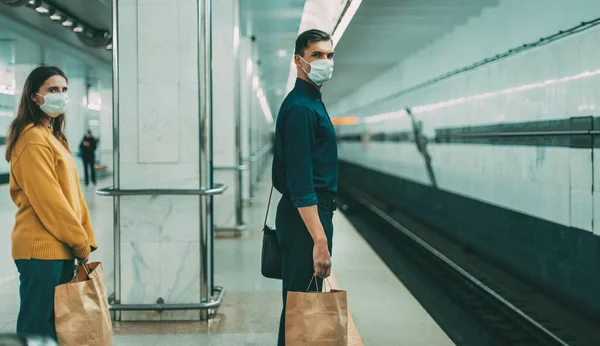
320 70
54 104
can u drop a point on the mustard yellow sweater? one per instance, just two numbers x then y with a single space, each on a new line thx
52 220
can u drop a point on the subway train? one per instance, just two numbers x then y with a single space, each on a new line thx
501 155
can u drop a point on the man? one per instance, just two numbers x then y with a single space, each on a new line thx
87 149
305 171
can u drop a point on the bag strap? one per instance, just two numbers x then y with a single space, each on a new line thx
268 207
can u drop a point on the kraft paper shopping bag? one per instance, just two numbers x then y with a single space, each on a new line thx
81 309
316 318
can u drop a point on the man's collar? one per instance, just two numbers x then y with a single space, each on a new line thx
307 88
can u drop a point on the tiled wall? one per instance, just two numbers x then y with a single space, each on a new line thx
560 80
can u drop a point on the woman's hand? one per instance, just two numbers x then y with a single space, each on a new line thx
83 260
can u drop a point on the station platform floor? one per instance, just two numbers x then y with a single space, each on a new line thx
383 311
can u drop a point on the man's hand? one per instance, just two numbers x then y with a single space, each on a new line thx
83 260
321 259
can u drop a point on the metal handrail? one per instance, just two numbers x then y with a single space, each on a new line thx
518 134
172 307
111 191
237 168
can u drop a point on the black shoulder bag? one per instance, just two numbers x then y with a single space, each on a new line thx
271 263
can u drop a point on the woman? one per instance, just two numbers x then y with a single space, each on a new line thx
52 224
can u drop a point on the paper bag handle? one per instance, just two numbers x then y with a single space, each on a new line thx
87 271
316 285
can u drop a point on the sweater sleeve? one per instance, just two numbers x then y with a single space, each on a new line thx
35 174
85 214
87 222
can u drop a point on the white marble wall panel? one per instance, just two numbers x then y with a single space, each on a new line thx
187 40
158 121
140 272
224 204
128 83
160 219
189 127
157 44
180 268
158 111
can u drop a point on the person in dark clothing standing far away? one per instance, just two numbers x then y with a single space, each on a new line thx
305 171
87 148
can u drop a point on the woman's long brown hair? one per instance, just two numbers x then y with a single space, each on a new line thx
30 113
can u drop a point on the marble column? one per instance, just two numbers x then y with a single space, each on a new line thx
28 55
225 45
75 126
253 123
159 148
106 135
246 69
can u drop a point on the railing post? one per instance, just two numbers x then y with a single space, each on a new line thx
206 150
239 206
116 171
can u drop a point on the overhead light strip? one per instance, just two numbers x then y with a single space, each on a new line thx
347 15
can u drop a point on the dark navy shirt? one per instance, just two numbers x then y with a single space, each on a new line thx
305 158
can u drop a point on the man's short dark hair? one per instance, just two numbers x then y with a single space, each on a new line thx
309 36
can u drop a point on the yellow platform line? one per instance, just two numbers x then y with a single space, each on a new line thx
354 338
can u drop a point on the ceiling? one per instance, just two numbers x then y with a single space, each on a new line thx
385 32
275 25
381 34
95 13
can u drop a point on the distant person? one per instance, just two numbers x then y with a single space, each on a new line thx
87 148
52 224
305 171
